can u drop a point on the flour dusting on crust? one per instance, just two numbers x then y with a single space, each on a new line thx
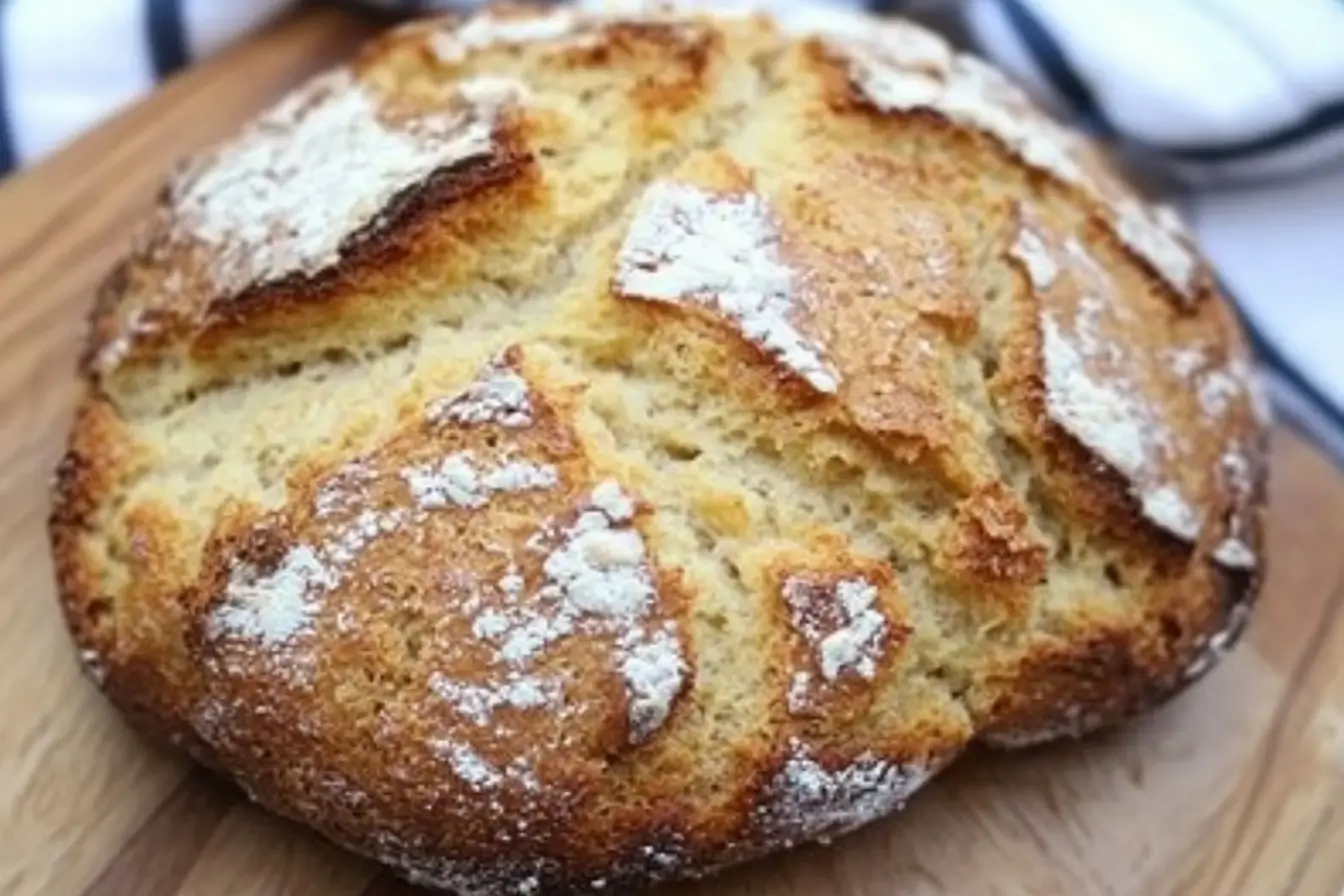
721 251
1074 723
481 774
571 26
461 877
274 607
497 395
478 703
841 622
597 576
1093 377
460 480
488 30
811 798
1035 257
1158 237
269 615
1185 360
1212 651
1105 416
1234 554
91 661
1113 391
966 91
596 581
1109 416
312 171
969 93
112 354
1220 388
344 490
1166 506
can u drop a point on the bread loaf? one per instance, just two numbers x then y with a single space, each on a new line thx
565 449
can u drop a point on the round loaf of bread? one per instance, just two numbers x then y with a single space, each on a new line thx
566 449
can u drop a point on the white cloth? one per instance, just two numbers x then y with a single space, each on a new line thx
1239 103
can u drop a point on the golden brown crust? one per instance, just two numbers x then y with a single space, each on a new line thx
568 449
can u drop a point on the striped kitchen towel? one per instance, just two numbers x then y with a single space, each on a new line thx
1235 108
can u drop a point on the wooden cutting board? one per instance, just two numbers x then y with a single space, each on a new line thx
1236 788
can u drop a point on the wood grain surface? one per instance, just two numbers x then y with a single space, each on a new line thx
1235 788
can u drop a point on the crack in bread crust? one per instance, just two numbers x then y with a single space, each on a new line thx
691 474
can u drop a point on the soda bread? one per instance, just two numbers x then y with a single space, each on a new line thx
567 449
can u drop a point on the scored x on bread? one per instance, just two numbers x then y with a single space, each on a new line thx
566 449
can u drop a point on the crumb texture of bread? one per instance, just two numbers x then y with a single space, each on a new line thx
575 448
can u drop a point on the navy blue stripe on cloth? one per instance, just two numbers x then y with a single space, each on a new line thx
167 36
8 156
1055 65
885 7
1322 121
397 10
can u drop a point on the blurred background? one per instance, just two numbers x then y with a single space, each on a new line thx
1232 111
